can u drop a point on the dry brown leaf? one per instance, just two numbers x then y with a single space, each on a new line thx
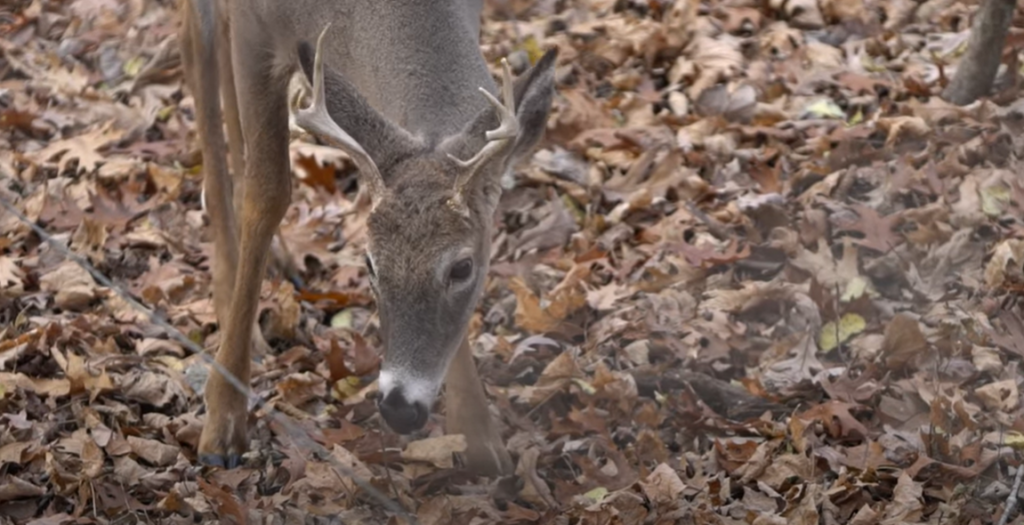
663 485
10 277
298 389
152 451
84 379
151 388
14 452
784 468
285 315
128 471
906 506
903 128
13 488
436 451
1007 258
41 386
228 507
904 342
82 148
73 286
836 416
530 316
877 230
92 458
1001 396
711 60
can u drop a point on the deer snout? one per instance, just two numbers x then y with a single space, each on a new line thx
403 415
405 399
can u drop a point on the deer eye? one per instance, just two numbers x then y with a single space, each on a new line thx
461 270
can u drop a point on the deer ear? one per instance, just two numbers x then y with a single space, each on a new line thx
533 94
533 91
385 142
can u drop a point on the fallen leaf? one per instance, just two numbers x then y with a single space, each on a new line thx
41 386
83 379
82 148
436 451
663 485
152 451
73 286
13 488
832 335
151 388
904 342
1001 396
877 230
228 508
530 316
906 505
1007 256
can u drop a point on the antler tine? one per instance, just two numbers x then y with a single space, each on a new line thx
498 138
316 120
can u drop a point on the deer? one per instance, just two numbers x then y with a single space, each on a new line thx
403 89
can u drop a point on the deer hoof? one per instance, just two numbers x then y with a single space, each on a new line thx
224 436
221 450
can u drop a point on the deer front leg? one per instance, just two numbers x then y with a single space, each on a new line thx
266 195
236 149
202 61
468 414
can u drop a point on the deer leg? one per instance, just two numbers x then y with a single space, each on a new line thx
236 148
231 117
201 63
468 414
266 191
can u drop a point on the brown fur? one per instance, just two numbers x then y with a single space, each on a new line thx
417 113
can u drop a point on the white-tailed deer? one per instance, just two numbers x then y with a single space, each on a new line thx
396 85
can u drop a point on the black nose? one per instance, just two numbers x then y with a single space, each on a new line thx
401 415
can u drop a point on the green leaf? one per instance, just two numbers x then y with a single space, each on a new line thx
165 113
857 118
597 494
585 386
1015 439
133 66
854 289
825 108
533 49
342 319
832 336
994 199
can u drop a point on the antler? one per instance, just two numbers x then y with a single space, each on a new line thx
497 139
316 120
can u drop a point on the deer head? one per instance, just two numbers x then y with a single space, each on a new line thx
430 225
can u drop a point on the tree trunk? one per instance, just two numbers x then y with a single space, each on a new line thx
977 70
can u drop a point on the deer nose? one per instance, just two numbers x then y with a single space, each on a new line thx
401 415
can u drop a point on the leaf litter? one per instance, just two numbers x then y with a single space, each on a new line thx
758 272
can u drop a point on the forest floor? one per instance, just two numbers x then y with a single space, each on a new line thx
757 272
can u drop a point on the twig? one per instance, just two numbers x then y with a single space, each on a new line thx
387 469
1011 500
